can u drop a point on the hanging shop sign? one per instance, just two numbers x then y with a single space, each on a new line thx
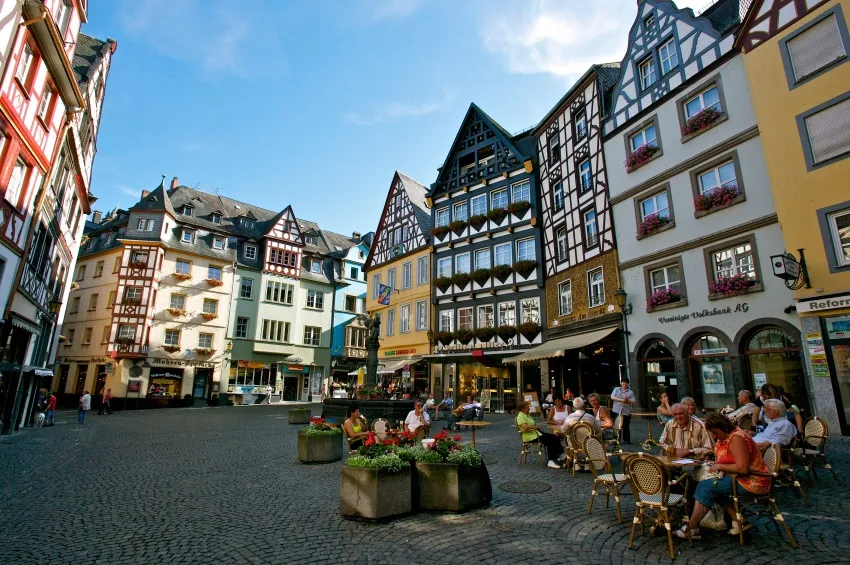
706 313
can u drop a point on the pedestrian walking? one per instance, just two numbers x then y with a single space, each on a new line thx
51 409
268 394
106 402
85 406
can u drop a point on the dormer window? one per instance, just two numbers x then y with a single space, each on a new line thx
247 224
250 251
218 243
187 210
315 266
216 218
311 240
187 236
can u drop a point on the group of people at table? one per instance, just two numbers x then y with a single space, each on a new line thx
734 439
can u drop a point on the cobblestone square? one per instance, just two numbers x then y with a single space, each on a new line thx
223 485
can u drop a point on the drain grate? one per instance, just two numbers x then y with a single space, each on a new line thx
525 487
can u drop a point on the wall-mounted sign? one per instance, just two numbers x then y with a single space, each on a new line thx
838 327
471 346
181 363
705 313
713 351
712 379
820 304
252 365
134 385
384 292
759 380
817 354
399 352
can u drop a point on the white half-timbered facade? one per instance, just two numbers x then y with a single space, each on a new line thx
403 228
283 246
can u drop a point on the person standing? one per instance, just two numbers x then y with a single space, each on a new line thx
85 406
50 415
624 399
268 394
106 402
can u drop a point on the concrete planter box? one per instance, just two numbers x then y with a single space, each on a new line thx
321 448
372 494
299 416
449 487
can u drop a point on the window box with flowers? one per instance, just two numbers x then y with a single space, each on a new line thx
450 476
496 215
457 226
440 231
138 264
176 312
484 334
506 333
717 199
501 272
525 267
700 122
461 280
131 301
653 224
463 336
75 285
663 299
182 276
214 282
529 330
171 348
442 283
641 156
204 351
321 442
519 208
736 285
481 276
477 221
125 341
445 338
209 316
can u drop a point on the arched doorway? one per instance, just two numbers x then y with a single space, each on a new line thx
710 371
658 367
774 356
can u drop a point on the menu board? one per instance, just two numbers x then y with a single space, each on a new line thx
535 403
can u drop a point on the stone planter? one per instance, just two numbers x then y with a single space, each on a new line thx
319 448
372 494
299 416
446 486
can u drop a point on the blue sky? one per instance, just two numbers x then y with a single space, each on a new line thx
315 103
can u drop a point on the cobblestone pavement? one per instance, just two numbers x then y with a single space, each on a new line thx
223 485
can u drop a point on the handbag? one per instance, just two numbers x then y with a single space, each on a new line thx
714 520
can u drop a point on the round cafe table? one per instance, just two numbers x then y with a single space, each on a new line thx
473 425
649 417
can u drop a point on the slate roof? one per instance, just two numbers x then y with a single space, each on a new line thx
724 15
156 201
97 233
88 54
607 75
416 193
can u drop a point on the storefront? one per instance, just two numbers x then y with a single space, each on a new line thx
478 374
404 376
165 383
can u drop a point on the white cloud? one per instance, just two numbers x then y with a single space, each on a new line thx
390 9
561 37
396 110
129 190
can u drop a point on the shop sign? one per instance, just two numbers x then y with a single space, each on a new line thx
399 352
820 304
459 347
93 360
165 376
134 385
838 327
292 360
759 380
713 381
817 353
714 351
252 365
181 363
294 368
705 313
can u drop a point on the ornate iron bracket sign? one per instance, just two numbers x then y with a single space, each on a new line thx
793 272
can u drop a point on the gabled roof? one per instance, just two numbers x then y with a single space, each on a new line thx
157 201
416 193
88 54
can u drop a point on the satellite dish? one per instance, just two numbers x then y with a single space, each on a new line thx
136 371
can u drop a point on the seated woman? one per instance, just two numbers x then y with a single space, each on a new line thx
557 414
530 433
601 413
664 412
355 428
793 413
735 452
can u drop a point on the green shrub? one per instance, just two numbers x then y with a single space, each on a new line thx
391 463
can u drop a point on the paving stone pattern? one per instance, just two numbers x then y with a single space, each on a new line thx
223 485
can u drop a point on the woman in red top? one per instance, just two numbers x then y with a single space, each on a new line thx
734 452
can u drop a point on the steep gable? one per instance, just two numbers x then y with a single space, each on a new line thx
284 246
405 224
766 18
285 228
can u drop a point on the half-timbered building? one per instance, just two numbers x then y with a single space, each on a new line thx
398 271
488 262
693 211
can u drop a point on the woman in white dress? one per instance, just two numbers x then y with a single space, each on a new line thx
557 414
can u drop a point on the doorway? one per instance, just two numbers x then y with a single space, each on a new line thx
290 388
305 388
658 366
82 373
201 383
64 371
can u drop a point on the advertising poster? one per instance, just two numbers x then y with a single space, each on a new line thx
759 380
134 385
712 379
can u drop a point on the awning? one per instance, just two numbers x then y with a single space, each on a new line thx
354 372
39 371
24 324
391 368
557 347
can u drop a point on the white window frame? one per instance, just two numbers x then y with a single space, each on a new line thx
529 310
24 64
390 322
486 316
315 266
422 270
521 191
482 259
500 248
126 331
442 217
250 251
241 330
590 225
670 58
565 297
391 278
463 256
743 262
444 267
422 315
315 300
585 175
668 283
446 320
581 126
648 73
460 211
214 272
563 249
187 236
312 336
404 319
519 254
558 196
465 319
177 300
660 212
145 224
643 135
15 187
595 299
205 340
498 195
478 205
218 243
171 337
406 275
376 285
701 97
507 314
210 306
715 173
841 256
183 267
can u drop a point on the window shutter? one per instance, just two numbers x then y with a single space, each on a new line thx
829 132
816 48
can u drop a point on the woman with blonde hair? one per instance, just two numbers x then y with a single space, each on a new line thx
530 433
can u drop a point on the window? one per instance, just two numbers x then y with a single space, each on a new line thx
839 227
44 104
116 265
274 330
315 266
521 192
585 175
210 306
422 269
250 251
350 303
525 250
446 320
75 305
407 275
461 212
133 294
558 197
717 177
649 21
502 254
444 267
478 204
391 278
24 65
422 315
648 73
736 260
708 98
529 309
354 273
218 243
827 130
499 199
442 217
376 285
507 314
216 218
590 228
93 302
139 257
81 272
214 273
816 47
391 322
183 267
485 316
561 238
554 143
187 236
646 136
111 300
461 263
657 204
145 224
205 341
565 298
596 287
464 318
466 162
104 338
664 278
178 301
71 333
404 319
669 57
187 210
482 259
486 156
246 288
16 183
315 299
98 269
63 15
172 338
126 331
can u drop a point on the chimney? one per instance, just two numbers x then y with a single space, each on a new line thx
174 183
96 216
355 236
145 194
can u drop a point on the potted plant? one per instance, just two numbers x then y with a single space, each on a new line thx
477 221
481 276
204 351
375 488
320 442
484 334
457 226
443 337
663 296
176 312
171 348
529 330
652 223
451 476
299 416
75 285
461 280
640 157
524 267
443 283
209 316
501 272
732 286
519 208
131 301
497 214
720 197
139 264
182 276
701 121
214 282
463 336
440 231
506 333
125 340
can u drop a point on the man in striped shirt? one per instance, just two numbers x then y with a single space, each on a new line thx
686 433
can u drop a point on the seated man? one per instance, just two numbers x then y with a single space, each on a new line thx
779 429
447 404
746 408
686 433
417 421
430 404
579 415
466 411
549 400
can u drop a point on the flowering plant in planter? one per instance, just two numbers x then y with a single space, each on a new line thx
720 196
519 208
439 231
182 276
701 121
663 296
131 301
461 280
403 438
477 220
125 340
506 332
214 282
204 350
529 330
501 272
171 348
481 276
177 312
389 463
320 426
640 156
463 336
484 333
524 267
209 316
497 214
447 449
443 337
732 286
652 223
139 264
457 226
443 283
75 285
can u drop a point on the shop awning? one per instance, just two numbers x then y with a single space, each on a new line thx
557 347
394 366
39 371
354 372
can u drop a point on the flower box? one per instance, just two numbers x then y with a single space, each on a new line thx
506 332
443 337
481 276
299 416
131 302
374 494
443 283
214 282
182 276
461 280
138 264
204 351
125 340
640 157
440 231
484 334
701 121
732 286
501 272
529 330
177 312
319 448
457 226
171 348
463 336
518 208
477 221
209 316
75 285
716 199
497 214
663 296
451 487
524 268
652 223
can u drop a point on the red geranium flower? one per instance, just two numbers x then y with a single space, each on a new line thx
456 438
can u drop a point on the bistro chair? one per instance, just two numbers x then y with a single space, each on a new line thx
787 474
381 427
815 434
654 502
603 474
577 434
529 447
744 501
617 431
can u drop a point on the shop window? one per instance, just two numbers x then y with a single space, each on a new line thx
658 366
711 373
774 356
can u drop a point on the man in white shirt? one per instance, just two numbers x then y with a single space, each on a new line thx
746 408
779 429
624 398
579 415
417 418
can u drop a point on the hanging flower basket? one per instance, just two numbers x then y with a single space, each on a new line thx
214 282
506 332
440 231
732 286
663 296
518 208
481 276
652 223
497 214
484 334
461 280
443 283
204 351
640 157
477 221
701 121
529 330
457 226
177 312
464 336
171 348
182 276
524 268
209 316
75 285
715 199
501 272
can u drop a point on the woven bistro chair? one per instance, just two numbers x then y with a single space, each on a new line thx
787 474
617 432
815 434
603 474
577 434
653 500
744 501
529 447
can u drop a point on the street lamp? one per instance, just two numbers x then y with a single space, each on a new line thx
626 309
53 306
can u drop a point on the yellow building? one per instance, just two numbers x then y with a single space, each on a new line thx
399 284
795 56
